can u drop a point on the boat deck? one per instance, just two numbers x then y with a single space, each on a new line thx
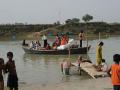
90 69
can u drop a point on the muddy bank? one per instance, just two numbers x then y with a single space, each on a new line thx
91 84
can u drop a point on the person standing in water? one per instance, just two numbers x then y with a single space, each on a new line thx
99 53
10 68
81 37
1 76
65 66
79 60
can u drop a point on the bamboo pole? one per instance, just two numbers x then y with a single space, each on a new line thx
69 52
99 35
87 49
87 45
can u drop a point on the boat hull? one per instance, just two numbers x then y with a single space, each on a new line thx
82 50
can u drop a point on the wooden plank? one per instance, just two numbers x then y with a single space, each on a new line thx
90 69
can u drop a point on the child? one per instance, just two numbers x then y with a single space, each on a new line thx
10 67
78 62
1 76
104 66
48 47
114 72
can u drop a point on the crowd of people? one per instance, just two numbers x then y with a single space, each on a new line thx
59 40
10 68
113 71
36 45
101 65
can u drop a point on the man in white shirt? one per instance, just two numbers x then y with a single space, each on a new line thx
44 38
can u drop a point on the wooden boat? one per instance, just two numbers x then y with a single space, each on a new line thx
82 50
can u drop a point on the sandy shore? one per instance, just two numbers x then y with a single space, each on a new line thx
91 84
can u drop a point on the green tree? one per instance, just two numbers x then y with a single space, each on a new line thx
86 18
68 21
76 20
56 23
73 21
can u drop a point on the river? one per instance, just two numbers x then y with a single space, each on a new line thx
44 69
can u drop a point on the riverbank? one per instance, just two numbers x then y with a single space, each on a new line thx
36 35
91 84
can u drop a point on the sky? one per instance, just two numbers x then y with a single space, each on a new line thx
50 11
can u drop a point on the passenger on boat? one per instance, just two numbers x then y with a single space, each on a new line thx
48 47
54 46
65 67
31 45
57 37
2 70
66 38
24 43
57 40
63 40
44 38
37 45
81 37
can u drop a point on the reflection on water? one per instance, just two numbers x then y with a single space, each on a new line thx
49 58
47 68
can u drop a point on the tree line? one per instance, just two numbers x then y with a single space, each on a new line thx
71 25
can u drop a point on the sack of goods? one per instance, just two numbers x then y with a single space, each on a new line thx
69 44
